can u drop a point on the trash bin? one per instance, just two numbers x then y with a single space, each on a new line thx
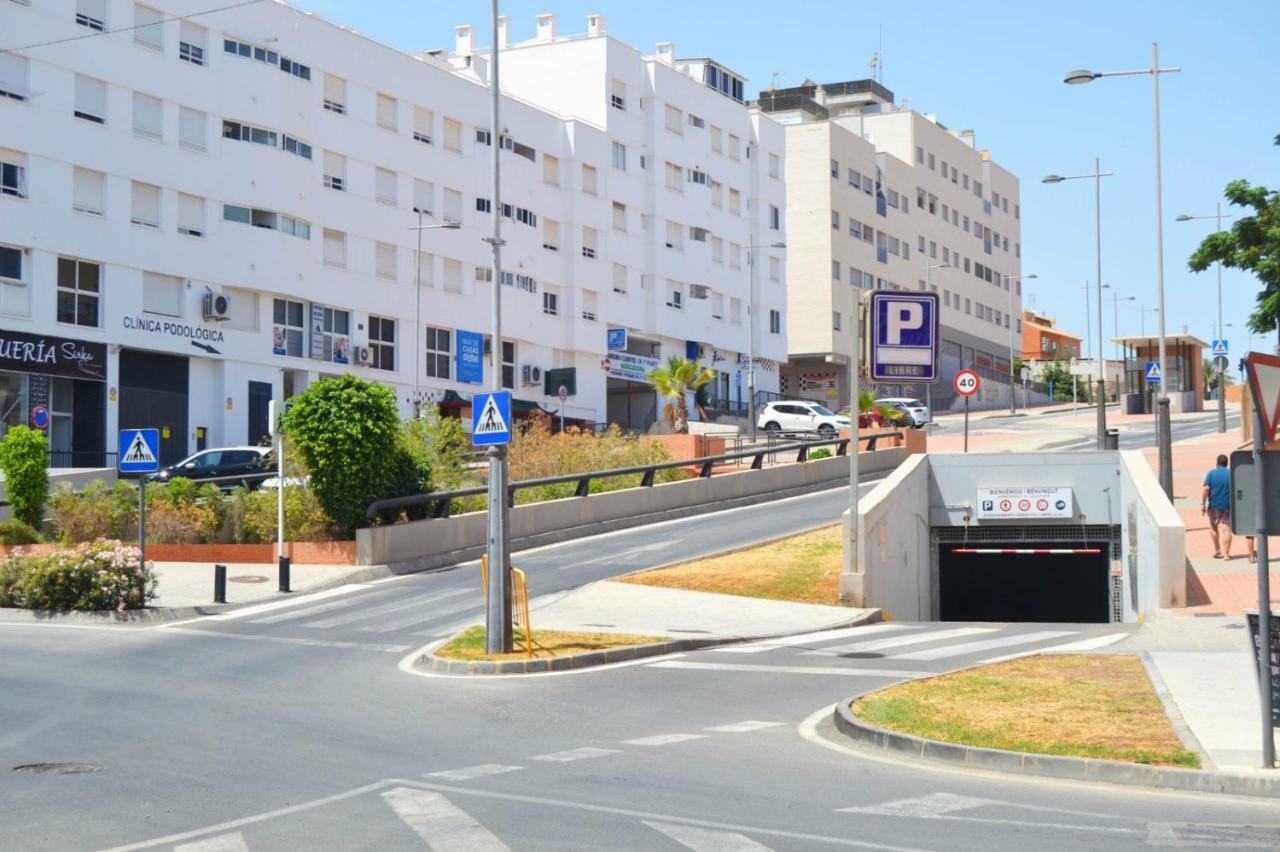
1112 440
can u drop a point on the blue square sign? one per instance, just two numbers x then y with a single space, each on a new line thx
903 337
617 338
491 418
139 451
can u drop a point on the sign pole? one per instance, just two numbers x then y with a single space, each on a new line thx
1264 583
142 520
966 424
855 411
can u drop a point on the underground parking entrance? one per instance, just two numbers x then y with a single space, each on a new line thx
1027 573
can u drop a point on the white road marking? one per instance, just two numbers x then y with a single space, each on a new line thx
1069 648
301 612
292 640
706 840
1161 834
233 842
396 606
469 773
245 612
575 754
743 727
420 617
807 638
894 674
664 739
931 805
444 826
984 645
898 641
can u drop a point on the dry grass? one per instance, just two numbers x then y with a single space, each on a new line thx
469 644
1084 705
804 568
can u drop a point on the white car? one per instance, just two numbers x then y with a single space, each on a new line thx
915 410
800 416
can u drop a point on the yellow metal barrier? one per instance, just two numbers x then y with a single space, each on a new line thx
519 600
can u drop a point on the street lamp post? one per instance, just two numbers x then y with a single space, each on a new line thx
928 283
1116 299
1219 391
751 331
1081 76
450 225
1008 285
1097 177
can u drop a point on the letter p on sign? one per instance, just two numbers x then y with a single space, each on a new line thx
903 316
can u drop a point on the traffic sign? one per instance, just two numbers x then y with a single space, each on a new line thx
139 451
1219 348
966 382
39 416
617 338
563 393
903 338
1024 502
491 418
1264 383
1152 371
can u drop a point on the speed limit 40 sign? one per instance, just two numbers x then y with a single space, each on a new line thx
966 382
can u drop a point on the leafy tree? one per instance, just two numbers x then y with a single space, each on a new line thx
348 434
24 458
443 444
1252 244
1057 373
673 380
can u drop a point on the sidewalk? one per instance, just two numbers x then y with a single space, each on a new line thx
188 584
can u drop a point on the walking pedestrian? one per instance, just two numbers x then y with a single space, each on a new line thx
1216 503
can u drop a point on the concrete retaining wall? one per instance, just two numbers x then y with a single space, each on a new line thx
893 545
419 545
1152 530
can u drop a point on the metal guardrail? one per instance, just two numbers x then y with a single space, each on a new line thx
440 501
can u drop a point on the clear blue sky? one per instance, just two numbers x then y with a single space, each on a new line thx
997 68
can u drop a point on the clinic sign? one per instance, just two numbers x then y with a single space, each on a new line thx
902 339
633 368
1023 502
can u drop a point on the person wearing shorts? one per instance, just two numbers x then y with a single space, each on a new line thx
1216 503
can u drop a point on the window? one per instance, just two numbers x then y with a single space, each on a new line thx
335 94
717 306
385 186
698 235
453 275
13 76
588 179
619 278
382 340
335 325
335 171
835 169
423 125
385 261
695 121
92 14
335 248
439 352
735 201
91 100
14 295
550 301
835 270
588 242
735 147
675 236
617 94
161 294
424 193
775 217
192 39
287 335
717 250
775 269
775 322
386 111
775 166
190 215
674 119
452 204
716 137
483 137
452 135
931 163
145 209
676 299
88 192
674 177
619 156
835 320
835 220
148 117
79 291
296 147
717 194
147 29
589 300
550 170
13 173
192 129
919 155
248 133
735 256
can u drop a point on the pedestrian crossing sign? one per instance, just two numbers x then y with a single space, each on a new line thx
491 418
1219 348
139 451
1153 371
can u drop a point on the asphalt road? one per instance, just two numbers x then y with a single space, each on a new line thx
296 727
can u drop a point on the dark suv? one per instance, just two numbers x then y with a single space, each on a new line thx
205 465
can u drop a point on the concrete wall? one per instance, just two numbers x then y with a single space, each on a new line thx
954 480
893 545
1153 541
64 479
433 543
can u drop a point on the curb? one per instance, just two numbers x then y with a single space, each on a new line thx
592 659
1052 766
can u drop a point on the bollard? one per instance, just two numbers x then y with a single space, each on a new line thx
219 584
284 573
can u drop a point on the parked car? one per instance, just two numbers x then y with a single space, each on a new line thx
800 416
917 413
222 462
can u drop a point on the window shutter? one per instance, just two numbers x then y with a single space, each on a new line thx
386 260
386 186
87 191
13 74
148 116
149 30
146 204
335 165
96 9
423 195
387 112
453 205
335 248
91 96
192 34
335 89
191 129
423 121
191 214
161 294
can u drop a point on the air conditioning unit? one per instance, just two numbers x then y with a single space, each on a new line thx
363 355
216 306
530 375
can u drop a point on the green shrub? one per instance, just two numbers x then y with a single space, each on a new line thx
24 458
347 432
251 515
100 576
96 512
14 531
820 453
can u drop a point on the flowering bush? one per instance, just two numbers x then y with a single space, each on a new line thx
104 575
96 512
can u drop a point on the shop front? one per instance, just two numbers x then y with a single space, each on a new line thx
56 384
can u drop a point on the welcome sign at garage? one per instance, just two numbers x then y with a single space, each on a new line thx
52 356
1020 502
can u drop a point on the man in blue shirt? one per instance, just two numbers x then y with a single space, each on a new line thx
1216 503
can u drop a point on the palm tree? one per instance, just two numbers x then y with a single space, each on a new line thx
673 380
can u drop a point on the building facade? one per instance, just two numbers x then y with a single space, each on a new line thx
1042 340
198 216
882 197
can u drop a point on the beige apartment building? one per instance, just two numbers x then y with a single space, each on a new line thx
883 197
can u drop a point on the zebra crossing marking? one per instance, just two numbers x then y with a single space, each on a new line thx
385 609
469 773
233 842
743 727
1091 644
894 674
805 638
575 754
923 806
441 824
664 739
415 618
898 641
984 645
706 840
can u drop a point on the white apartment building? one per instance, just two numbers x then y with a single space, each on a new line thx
879 196
186 232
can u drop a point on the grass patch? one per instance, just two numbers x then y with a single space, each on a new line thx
469 644
1082 705
804 568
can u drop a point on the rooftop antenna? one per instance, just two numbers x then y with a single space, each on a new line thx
773 81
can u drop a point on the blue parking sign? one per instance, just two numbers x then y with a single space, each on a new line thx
491 418
617 338
903 345
139 451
